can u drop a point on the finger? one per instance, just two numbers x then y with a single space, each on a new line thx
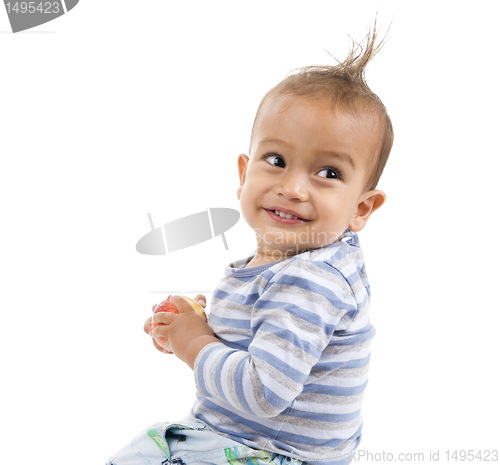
147 326
181 303
164 318
201 299
161 331
159 347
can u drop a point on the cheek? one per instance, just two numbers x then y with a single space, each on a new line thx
251 189
246 200
338 212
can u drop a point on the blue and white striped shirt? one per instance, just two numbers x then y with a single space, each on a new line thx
290 374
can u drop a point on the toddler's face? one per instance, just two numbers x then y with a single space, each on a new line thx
304 182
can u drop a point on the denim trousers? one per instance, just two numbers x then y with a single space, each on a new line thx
190 442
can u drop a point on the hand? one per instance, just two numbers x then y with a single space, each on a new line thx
148 327
148 330
186 332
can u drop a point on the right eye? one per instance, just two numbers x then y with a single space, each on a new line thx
275 159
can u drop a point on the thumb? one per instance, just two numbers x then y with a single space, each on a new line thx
201 299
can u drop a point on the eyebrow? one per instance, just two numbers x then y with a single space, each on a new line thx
342 156
273 140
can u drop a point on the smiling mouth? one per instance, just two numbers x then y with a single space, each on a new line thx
285 216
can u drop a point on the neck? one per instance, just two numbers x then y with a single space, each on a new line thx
266 254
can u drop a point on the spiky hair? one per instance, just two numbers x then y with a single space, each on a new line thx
345 87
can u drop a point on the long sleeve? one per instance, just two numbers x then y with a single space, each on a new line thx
290 373
291 323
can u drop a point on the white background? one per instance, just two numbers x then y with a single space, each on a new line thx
121 108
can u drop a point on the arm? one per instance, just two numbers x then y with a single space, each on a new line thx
292 323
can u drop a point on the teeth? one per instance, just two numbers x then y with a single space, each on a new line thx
286 215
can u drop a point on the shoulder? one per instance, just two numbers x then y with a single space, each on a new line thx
342 259
336 272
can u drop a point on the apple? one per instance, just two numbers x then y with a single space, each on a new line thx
167 306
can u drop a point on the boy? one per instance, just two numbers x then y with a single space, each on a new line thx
282 365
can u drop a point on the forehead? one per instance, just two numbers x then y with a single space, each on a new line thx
316 124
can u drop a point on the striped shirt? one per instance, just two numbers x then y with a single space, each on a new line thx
290 373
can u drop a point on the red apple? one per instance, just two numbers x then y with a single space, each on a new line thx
167 306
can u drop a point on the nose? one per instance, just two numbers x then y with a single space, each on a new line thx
293 186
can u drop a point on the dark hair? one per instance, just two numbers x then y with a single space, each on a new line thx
344 85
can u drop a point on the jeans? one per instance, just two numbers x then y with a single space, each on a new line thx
191 443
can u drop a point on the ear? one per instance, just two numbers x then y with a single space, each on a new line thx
242 171
368 203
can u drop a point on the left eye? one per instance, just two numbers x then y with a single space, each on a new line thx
275 159
329 173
